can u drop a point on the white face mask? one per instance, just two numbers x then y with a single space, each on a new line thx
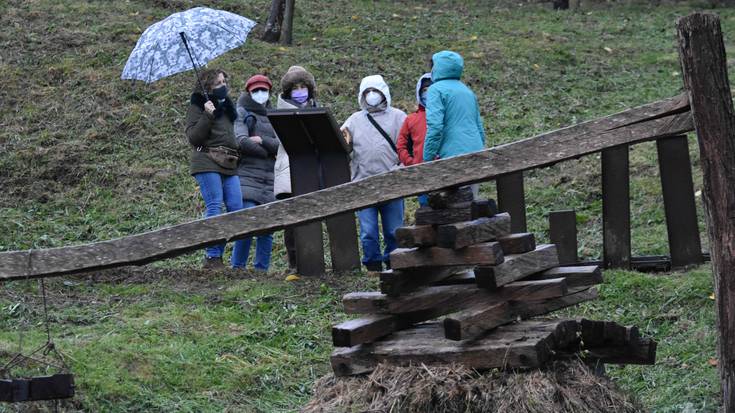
260 96
373 98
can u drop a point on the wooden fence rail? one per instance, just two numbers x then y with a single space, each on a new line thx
665 118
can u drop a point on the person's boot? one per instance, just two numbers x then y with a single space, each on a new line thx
374 268
213 263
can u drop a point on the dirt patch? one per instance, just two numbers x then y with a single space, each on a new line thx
563 387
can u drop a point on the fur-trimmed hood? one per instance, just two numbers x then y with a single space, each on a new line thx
226 107
297 74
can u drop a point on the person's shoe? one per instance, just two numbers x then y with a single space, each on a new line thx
213 263
387 265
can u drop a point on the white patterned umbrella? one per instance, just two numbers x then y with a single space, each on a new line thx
183 41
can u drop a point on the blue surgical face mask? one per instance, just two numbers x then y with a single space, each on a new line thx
220 92
423 97
260 96
300 95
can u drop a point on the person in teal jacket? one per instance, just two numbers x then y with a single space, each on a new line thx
453 123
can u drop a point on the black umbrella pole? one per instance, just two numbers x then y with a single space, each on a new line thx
196 72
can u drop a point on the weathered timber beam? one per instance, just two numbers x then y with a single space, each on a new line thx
481 317
397 282
576 275
669 117
516 267
373 302
416 236
461 234
486 253
517 243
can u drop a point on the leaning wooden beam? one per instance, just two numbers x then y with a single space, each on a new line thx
669 117
461 234
373 302
516 267
575 276
397 282
518 345
487 253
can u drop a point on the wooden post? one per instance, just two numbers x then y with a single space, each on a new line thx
287 33
678 191
563 233
511 199
704 68
616 207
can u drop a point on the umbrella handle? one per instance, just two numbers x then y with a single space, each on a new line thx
196 72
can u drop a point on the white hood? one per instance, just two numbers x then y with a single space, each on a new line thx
374 81
418 86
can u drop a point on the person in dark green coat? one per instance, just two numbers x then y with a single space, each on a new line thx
210 129
453 122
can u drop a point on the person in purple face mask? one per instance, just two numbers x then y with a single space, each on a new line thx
298 91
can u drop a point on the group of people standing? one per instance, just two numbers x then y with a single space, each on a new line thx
238 161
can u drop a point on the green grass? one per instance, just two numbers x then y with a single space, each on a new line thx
85 156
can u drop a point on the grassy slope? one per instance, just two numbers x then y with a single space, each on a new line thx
85 156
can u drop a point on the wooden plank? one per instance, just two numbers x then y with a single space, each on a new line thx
487 253
416 236
481 317
465 211
705 72
563 234
517 243
616 207
678 190
513 346
397 282
576 295
512 199
516 267
462 234
442 199
363 330
642 352
664 118
575 276
373 302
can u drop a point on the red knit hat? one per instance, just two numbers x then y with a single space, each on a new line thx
258 81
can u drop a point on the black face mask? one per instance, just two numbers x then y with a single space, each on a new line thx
220 93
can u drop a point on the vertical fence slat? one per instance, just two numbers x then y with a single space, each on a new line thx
563 233
307 237
678 191
512 199
616 207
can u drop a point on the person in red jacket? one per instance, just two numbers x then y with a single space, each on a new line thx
410 143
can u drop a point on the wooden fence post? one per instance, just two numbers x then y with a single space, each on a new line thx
616 208
678 191
704 68
512 199
563 233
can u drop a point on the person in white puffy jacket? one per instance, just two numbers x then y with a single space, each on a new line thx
372 132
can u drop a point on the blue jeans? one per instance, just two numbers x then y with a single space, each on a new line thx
263 247
423 199
218 189
391 214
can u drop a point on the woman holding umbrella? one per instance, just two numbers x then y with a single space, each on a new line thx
210 130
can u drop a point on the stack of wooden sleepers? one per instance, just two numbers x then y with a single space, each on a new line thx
461 289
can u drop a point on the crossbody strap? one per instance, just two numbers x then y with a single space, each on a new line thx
382 132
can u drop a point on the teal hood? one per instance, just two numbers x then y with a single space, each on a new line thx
447 65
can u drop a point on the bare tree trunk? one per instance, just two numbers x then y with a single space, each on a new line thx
704 67
275 20
287 34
